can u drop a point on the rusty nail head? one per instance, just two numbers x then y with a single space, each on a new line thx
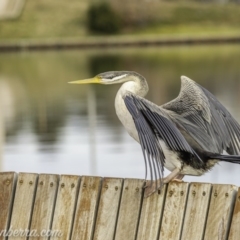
72 185
181 193
41 183
204 193
116 188
126 188
62 185
106 186
215 194
84 185
137 189
21 181
193 193
31 182
7 182
51 184
171 193
226 194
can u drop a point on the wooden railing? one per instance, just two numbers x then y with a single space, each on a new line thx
82 208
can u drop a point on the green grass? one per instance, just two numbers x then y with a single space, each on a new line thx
189 30
61 19
47 19
193 19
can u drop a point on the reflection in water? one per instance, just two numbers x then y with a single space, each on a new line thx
54 127
104 63
92 119
8 113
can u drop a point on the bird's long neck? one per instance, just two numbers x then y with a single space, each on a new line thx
135 84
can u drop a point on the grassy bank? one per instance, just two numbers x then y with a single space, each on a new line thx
59 19
194 19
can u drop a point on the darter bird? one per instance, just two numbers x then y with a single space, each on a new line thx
187 135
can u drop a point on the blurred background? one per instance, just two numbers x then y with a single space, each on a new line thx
49 126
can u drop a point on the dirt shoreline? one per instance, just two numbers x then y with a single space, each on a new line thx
105 42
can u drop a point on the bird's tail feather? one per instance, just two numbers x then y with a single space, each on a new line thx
228 158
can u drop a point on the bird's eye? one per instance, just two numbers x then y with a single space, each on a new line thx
110 77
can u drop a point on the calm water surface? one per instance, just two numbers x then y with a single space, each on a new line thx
49 126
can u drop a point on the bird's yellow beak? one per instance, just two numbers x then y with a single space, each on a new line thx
89 80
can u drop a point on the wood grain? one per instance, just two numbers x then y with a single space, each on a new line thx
129 209
234 233
174 208
108 209
196 211
23 204
44 205
220 211
86 208
65 206
151 214
7 183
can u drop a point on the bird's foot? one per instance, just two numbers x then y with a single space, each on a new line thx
151 187
177 180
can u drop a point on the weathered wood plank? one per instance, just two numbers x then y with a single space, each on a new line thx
196 211
220 211
129 209
151 214
108 209
86 208
7 184
234 233
65 206
174 208
44 205
23 203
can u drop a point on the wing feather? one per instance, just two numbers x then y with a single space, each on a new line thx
217 128
151 148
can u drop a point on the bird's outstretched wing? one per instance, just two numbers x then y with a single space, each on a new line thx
153 125
205 118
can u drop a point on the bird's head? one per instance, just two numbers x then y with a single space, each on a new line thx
112 77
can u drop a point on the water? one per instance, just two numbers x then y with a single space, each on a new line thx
49 126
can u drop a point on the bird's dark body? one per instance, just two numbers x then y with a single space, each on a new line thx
192 160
